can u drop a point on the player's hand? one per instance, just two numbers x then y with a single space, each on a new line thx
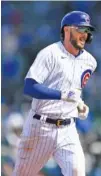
73 95
83 110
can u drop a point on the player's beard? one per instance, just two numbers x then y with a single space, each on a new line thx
74 42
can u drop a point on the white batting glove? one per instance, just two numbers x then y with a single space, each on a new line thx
72 95
83 110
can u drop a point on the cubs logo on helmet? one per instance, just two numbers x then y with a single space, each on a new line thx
78 18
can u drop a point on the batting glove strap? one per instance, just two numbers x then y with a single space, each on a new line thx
71 96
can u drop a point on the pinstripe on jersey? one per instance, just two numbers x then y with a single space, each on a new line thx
58 69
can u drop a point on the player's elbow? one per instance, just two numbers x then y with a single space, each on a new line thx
28 84
29 89
26 90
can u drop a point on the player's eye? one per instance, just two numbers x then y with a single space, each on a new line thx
83 29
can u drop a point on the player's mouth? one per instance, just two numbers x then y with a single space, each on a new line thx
82 41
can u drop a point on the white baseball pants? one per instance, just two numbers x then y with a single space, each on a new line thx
40 141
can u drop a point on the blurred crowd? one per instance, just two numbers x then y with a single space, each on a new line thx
26 28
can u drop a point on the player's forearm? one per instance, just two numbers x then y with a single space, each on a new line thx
40 91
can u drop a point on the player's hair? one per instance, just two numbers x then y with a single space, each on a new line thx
62 34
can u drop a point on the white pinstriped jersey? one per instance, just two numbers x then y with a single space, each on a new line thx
58 69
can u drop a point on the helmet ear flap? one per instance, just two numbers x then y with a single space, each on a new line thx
89 38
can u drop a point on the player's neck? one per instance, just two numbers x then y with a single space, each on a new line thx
70 48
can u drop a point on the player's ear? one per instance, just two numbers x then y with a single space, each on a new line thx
64 31
67 31
66 28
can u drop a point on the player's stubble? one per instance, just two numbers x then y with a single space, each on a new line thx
75 42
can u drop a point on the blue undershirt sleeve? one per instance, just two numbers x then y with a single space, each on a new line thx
40 91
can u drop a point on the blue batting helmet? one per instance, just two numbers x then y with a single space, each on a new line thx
78 18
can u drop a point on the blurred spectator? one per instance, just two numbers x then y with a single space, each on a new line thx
26 28
7 165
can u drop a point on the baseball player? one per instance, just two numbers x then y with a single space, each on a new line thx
55 81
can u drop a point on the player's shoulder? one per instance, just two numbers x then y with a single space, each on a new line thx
90 59
50 48
47 54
